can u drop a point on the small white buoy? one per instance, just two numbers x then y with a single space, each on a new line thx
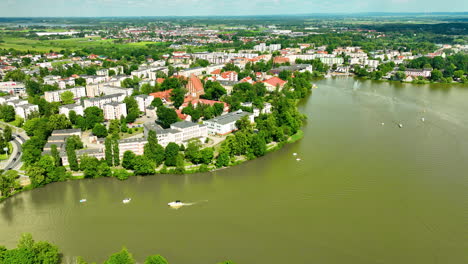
383 124
294 154
298 159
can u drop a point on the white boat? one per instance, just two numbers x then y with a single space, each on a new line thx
83 201
176 204
298 159
422 119
383 124
400 125
294 154
126 200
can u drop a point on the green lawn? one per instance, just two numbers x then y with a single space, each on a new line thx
59 44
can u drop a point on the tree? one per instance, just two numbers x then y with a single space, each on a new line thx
92 116
258 145
8 182
133 112
207 155
177 97
436 75
114 128
166 116
7 133
157 102
57 122
71 155
116 152
7 113
122 257
156 259
218 109
223 159
121 174
153 150
32 150
171 153
192 152
213 90
128 160
108 151
89 166
67 97
100 130
143 166
56 155
72 116
244 124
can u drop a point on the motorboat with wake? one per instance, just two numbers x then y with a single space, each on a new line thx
126 200
83 201
176 204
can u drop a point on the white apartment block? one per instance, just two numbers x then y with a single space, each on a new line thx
262 47
54 96
114 110
143 101
65 109
13 88
101 101
102 72
25 110
109 90
332 60
179 133
225 124
135 145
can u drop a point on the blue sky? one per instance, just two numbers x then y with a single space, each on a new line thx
15 8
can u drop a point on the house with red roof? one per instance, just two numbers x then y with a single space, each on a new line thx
274 82
247 79
280 60
228 76
165 96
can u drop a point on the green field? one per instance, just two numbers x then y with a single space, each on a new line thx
24 44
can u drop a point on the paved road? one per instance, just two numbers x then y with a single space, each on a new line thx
15 158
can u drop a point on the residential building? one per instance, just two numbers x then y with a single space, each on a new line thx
426 73
101 101
65 109
179 133
13 88
144 101
54 96
225 124
114 110
273 83
25 110
135 145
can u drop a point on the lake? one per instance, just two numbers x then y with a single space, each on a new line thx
364 192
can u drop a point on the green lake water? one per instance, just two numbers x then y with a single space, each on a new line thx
363 192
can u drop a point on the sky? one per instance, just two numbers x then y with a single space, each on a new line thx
95 8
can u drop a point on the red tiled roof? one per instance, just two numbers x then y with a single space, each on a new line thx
280 60
225 75
215 72
275 81
160 80
163 94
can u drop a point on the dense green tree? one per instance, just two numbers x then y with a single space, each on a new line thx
92 116
122 257
59 121
128 160
258 145
67 97
166 116
171 153
178 96
156 259
7 133
71 154
56 155
223 159
89 165
116 152
108 151
133 111
153 150
8 182
143 166
213 90
207 155
157 102
436 75
100 130
32 150
121 174
192 152
7 113
171 83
